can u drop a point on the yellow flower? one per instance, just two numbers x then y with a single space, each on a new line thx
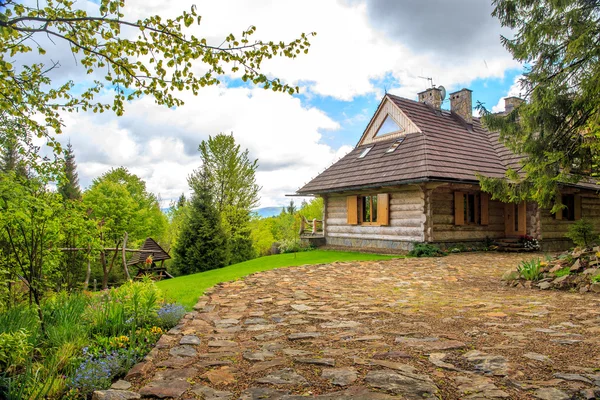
156 330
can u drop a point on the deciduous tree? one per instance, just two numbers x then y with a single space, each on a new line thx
152 56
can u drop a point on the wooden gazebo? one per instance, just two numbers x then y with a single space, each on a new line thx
151 249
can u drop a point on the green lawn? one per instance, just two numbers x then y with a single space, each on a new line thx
186 289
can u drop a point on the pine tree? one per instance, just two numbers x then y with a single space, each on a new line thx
202 243
181 201
69 189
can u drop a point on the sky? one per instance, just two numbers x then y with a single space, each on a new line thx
363 49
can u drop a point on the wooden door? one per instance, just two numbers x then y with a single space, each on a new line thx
515 219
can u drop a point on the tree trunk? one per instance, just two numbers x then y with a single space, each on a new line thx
125 258
104 270
88 272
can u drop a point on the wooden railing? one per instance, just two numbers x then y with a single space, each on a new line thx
314 227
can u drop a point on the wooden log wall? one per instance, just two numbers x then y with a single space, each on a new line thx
444 229
406 217
556 229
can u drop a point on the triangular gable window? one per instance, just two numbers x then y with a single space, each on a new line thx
388 126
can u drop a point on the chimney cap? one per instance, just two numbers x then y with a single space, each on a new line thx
462 90
429 90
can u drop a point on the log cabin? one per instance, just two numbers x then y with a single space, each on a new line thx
412 178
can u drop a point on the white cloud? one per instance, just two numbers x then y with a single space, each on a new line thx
159 144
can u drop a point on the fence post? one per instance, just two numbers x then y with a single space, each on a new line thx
314 228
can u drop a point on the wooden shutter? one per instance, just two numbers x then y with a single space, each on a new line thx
485 209
383 209
352 209
577 207
559 215
459 208
522 218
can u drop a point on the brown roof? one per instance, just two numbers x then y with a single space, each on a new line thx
445 149
158 253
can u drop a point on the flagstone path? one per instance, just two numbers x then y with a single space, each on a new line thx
410 328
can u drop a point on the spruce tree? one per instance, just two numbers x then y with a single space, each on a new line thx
202 243
69 189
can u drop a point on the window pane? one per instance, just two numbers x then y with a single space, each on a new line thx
516 208
471 209
365 152
569 212
388 126
366 208
466 207
374 209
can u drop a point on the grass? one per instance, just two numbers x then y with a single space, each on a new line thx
186 289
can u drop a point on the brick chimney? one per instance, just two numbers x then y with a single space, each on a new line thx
461 104
510 103
432 97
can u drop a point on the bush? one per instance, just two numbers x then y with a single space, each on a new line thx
15 350
530 270
426 250
596 278
292 246
169 315
581 233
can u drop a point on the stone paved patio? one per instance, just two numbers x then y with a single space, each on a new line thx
413 328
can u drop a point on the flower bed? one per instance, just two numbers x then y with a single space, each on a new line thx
88 340
578 270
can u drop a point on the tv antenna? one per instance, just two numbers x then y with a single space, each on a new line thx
428 79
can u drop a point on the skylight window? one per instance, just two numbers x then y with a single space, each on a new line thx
388 126
395 145
365 152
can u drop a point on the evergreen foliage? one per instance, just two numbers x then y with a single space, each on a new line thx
202 243
557 128
69 188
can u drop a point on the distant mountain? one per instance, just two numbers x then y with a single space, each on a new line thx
266 212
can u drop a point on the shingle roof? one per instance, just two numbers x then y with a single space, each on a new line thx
446 149
158 254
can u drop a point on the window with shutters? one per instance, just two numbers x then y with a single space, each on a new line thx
370 209
572 210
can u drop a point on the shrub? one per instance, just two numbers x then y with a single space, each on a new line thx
581 232
97 372
530 270
529 243
15 350
170 314
292 246
562 272
596 278
426 250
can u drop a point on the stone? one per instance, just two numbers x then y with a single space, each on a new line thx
268 336
112 394
591 271
340 324
430 343
368 338
566 341
488 364
551 394
262 393
295 352
437 359
183 351
258 355
537 357
410 386
595 287
265 365
392 355
286 376
573 377
190 339
222 343
120 385
316 361
409 369
256 321
576 267
304 335
139 370
175 374
479 387
208 393
340 376
301 307
164 389
544 285
220 376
